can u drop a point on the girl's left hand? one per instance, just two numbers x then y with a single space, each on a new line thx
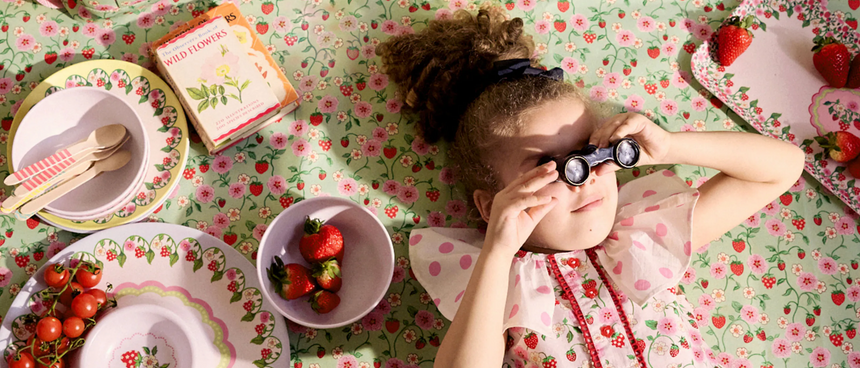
653 140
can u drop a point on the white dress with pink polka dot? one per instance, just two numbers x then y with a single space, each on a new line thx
614 305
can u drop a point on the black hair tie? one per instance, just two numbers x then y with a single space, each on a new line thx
516 68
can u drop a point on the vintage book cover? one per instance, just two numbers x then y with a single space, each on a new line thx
256 52
224 95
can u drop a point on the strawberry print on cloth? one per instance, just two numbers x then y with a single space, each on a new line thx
615 305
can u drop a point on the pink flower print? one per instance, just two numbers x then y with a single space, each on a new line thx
707 302
646 23
436 219
279 140
129 246
369 51
424 319
750 314
327 104
680 78
725 359
389 27
542 26
701 315
718 270
702 31
845 226
145 20
205 193
297 128
373 321
377 81
5 85
526 5
214 231
757 264
689 276
853 293
579 22
456 208
598 93
781 348
217 70
393 105
161 8
398 275
669 48
383 307
447 176
264 317
25 42
395 363
852 105
820 357
687 24
5 276
277 185
348 24
607 315
259 230
443 14
795 331
455 5
380 133
827 265
371 148
222 164
699 103
391 187
49 28
407 194
625 38
308 83
301 147
347 187
570 65
854 359
363 109
775 227
420 146
667 326
221 220
236 190
282 24
347 361
741 363
521 352
612 80
668 107
634 103
753 221
90 30
807 281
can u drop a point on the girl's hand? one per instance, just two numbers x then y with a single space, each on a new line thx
654 141
516 210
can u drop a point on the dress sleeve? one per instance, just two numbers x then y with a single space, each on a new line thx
649 246
443 259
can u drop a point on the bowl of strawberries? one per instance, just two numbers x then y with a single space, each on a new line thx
325 262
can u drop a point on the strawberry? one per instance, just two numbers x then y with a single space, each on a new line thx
324 301
560 25
50 57
654 52
838 297
392 325
327 275
832 61
571 355
321 242
673 351
618 340
854 74
291 281
854 168
267 7
748 337
768 281
256 188
549 362
531 340
434 340
786 309
761 335
816 310
262 28
841 146
850 332
739 245
733 39
718 320
563 5
836 338
786 199
261 167
737 267
639 345
810 320
32 223
607 331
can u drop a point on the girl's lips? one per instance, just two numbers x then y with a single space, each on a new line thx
590 203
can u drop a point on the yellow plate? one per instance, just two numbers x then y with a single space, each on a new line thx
163 119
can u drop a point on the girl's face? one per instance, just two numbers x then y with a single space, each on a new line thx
584 215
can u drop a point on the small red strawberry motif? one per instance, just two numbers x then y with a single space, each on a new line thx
673 351
325 144
836 338
654 52
204 167
261 167
850 332
22 260
316 118
32 223
128 38
549 362
739 245
433 195
392 325
589 37
639 345
262 28
748 337
88 53
838 297
267 7
768 281
684 343
786 199
816 310
531 340
761 335
563 5
618 340
737 267
285 201
810 320
560 25
704 284
571 355
607 331
718 320
256 188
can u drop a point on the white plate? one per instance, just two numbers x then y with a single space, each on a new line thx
368 259
181 291
68 116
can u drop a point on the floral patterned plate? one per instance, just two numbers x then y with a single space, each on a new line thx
185 299
780 60
164 121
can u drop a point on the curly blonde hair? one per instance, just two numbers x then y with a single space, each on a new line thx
442 71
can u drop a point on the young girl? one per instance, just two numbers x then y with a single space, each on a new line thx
564 275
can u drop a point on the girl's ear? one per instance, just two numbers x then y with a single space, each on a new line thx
484 201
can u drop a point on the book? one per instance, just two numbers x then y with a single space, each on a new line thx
255 55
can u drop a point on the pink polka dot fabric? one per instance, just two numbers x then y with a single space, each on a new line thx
652 233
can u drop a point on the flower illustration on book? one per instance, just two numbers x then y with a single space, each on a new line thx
216 73
134 359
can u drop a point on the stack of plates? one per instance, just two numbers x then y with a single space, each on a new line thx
77 100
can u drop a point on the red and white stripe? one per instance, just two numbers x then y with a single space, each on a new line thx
47 174
33 169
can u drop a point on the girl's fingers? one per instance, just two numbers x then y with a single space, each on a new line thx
539 171
606 168
601 136
537 213
628 128
529 201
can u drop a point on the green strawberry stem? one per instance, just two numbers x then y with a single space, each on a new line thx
828 142
329 267
822 42
745 23
277 274
312 226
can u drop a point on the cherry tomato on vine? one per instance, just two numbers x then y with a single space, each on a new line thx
73 327
84 306
37 344
89 275
49 329
99 294
21 360
70 293
45 362
56 275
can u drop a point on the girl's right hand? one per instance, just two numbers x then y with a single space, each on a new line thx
516 210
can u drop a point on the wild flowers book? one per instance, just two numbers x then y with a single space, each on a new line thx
223 93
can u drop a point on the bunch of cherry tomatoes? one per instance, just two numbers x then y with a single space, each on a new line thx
74 303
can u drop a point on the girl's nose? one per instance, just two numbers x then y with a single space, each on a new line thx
592 178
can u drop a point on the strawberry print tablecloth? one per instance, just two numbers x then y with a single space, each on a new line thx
793 263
